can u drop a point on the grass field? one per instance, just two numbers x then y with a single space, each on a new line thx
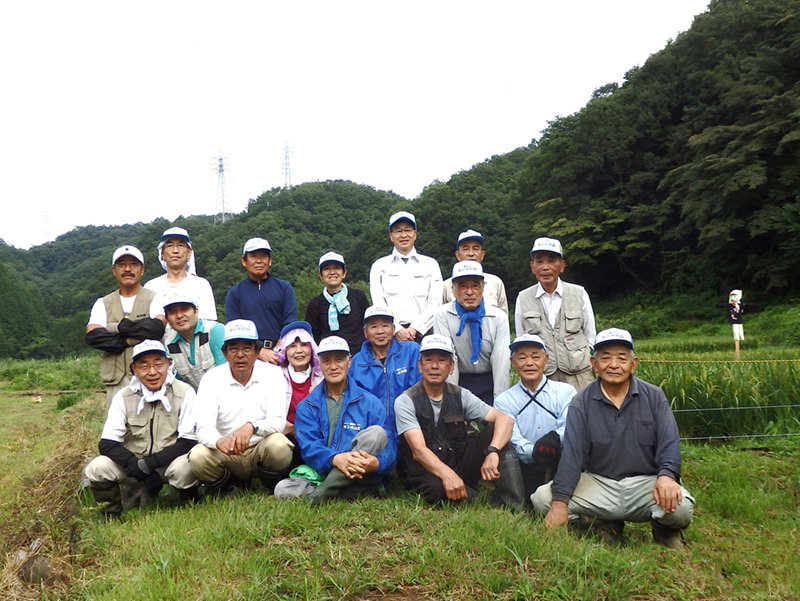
251 547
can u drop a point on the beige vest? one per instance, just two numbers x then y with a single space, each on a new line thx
566 343
154 428
203 357
114 366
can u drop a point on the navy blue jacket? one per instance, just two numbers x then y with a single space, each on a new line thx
270 304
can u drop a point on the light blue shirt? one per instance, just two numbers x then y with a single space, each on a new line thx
534 422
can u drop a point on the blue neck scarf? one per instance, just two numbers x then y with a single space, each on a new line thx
337 303
474 319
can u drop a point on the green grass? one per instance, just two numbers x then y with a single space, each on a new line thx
740 544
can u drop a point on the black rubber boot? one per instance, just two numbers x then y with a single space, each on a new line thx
108 492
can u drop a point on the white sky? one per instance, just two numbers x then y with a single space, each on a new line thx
111 112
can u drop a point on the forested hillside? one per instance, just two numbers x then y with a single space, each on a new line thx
684 178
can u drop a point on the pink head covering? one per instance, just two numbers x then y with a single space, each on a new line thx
303 335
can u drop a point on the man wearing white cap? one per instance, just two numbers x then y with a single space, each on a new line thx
344 439
241 416
621 459
148 431
264 299
385 366
196 345
559 312
124 318
539 407
479 332
339 310
469 247
435 456
405 282
176 255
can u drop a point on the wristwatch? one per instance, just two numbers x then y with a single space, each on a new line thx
491 449
255 428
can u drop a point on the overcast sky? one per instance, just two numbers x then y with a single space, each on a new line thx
111 112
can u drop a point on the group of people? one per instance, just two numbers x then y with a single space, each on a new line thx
417 383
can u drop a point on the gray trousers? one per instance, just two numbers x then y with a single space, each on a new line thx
630 500
371 440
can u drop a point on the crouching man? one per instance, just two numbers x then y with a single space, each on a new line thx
348 448
241 416
149 430
436 458
621 460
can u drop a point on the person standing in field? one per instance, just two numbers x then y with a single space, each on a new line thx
479 332
261 298
124 318
339 310
405 282
560 312
176 255
621 460
469 247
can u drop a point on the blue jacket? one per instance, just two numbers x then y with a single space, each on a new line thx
389 382
360 409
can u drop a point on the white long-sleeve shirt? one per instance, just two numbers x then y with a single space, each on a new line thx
224 405
410 289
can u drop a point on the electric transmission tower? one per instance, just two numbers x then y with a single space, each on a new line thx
287 172
218 165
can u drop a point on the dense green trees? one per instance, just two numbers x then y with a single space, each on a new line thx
687 174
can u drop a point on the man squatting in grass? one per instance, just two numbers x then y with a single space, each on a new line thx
621 459
241 416
344 439
539 407
435 456
122 319
148 431
195 345
479 332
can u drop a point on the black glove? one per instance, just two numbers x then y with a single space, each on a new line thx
133 470
547 450
153 484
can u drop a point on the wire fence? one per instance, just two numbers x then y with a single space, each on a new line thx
717 400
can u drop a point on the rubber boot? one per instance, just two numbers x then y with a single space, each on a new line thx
189 496
221 486
669 537
108 492
270 478
509 489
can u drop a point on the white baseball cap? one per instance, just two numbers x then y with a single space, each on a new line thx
547 244
176 232
333 344
148 346
240 329
527 339
614 335
436 342
331 257
377 311
402 215
256 244
180 296
469 235
127 250
467 269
